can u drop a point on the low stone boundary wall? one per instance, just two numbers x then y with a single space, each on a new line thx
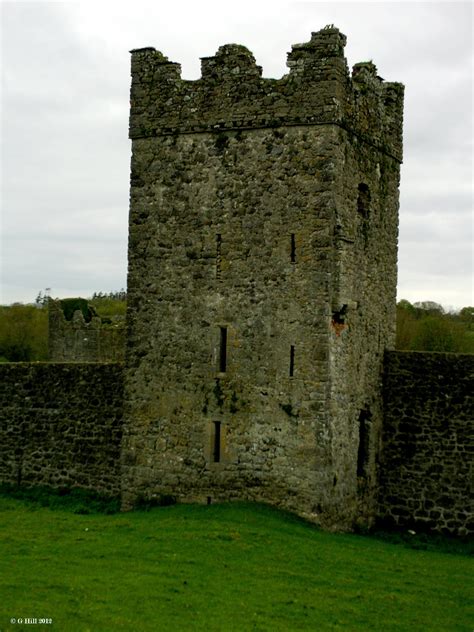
427 472
61 425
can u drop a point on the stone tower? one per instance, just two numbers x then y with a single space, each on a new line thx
262 279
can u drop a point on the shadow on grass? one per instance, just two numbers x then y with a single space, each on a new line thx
85 501
75 500
423 541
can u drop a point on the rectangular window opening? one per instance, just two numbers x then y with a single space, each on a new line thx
364 436
216 453
292 360
218 256
293 249
223 350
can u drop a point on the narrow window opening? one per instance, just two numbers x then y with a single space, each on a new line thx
364 436
293 249
209 500
223 350
292 360
218 256
363 200
216 453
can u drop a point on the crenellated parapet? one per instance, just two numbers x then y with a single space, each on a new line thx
232 95
374 110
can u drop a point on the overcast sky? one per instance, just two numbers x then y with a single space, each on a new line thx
64 110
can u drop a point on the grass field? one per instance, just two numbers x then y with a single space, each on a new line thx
220 567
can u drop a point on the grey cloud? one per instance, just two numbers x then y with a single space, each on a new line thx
65 158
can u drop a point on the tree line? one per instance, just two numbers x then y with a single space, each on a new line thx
421 326
426 326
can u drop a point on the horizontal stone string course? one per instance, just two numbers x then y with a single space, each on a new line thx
231 94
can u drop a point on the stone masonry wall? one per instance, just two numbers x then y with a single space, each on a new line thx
76 340
61 425
232 94
261 287
427 465
216 254
363 315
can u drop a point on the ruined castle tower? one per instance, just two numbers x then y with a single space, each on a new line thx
262 277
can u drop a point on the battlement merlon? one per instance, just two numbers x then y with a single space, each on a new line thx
232 95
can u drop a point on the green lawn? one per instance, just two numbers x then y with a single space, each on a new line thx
222 567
